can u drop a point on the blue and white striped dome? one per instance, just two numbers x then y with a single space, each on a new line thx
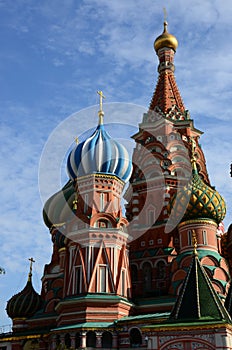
99 154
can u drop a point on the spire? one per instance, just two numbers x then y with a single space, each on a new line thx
100 112
166 97
197 300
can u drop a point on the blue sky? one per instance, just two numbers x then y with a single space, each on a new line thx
55 55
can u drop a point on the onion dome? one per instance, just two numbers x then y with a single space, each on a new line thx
202 201
24 304
58 208
60 239
165 40
99 154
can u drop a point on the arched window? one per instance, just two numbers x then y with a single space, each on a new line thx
106 340
161 270
91 339
134 273
102 223
135 338
147 277
67 340
77 340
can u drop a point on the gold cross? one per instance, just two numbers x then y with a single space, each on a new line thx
165 14
76 140
31 262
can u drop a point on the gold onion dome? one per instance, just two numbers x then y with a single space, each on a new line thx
197 201
165 40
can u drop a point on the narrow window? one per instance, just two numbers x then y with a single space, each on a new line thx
147 277
123 282
86 203
78 280
204 234
102 202
151 217
102 279
189 237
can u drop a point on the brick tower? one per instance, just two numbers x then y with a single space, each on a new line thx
169 196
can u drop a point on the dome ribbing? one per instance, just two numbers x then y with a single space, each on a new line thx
24 304
99 154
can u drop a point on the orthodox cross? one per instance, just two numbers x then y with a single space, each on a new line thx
31 262
165 14
100 93
100 112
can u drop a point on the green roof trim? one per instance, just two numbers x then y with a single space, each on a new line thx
189 324
85 325
143 317
99 296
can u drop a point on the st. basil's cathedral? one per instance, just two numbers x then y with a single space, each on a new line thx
156 277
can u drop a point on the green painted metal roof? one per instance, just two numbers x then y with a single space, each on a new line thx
98 296
144 317
86 325
198 301
190 324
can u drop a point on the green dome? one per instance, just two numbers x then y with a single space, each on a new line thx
58 207
202 201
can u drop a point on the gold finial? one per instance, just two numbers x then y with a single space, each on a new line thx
75 201
193 144
76 140
194 242
100 112
165 40
30 273
193 155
